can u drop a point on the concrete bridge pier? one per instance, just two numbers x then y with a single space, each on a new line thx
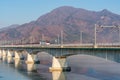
10 56
18 58
32 58
59 64
32 62
0 54
18 55
4 55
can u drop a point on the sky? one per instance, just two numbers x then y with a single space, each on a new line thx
24 11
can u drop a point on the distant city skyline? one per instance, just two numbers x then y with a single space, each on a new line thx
24 11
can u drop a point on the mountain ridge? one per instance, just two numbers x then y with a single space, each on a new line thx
72 21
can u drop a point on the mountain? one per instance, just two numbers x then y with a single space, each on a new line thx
8 27
73 22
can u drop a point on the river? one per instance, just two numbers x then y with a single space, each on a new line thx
84 67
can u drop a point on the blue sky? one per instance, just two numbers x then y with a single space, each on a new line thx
24 11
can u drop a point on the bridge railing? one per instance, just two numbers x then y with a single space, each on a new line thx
99 45
51 45
108 44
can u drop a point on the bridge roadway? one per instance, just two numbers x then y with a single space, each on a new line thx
59 53
99 45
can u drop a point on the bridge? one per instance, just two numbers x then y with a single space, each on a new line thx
59 53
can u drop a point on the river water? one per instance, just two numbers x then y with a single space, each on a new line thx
83 67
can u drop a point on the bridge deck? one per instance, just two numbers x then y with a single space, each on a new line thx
117 46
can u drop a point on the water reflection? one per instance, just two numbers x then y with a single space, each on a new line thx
83 68
58 75
32 67
4 58
17 63
10 60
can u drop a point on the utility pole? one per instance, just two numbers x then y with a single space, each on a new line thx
95 36
58 38
81 33
43 38
119 34
61 37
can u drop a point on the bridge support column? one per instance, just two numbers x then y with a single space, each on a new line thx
18 55
4 55
18 58
59 64
32 62
10 57
32 58
0 54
